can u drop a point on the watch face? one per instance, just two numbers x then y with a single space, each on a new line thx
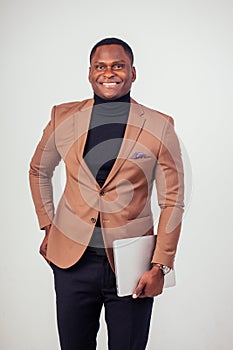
166 269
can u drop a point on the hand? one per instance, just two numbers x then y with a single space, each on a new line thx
43 247
150 284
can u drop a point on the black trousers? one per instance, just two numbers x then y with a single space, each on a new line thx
81 291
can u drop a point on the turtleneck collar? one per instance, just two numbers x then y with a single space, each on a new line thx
99 100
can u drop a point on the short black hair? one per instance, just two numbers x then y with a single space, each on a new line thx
113 41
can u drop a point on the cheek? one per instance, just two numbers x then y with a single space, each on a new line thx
94 78
93 82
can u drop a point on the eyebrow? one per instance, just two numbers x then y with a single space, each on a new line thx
114 62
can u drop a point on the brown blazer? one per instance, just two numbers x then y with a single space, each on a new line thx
150 151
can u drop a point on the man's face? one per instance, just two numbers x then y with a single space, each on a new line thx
111 73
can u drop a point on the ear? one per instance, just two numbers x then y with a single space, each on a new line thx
133 74
89 73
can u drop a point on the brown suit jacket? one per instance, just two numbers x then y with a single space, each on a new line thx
150 151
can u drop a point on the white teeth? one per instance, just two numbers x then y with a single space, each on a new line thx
109 84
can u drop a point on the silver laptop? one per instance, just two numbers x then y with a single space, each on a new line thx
132 258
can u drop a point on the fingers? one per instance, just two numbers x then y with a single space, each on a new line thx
43 253
149 286
138 292
147 294
43 247
43 250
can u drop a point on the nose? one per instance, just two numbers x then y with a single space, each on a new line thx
108 72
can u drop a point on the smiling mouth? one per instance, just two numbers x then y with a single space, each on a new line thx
110 84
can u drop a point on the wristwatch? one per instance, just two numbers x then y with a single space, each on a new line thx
165 269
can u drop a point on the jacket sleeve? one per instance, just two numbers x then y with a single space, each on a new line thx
169 179
42 165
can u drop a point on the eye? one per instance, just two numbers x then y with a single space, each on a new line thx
99 67
118 66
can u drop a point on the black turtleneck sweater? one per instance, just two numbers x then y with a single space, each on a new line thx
105 134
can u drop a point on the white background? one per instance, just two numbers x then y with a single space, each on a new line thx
183 55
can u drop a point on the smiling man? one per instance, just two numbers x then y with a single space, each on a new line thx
112 72
114 150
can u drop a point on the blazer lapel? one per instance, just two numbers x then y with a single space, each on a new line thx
132 131
81 125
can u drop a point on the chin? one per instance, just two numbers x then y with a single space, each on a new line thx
109 97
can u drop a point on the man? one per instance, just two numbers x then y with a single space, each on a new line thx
113 149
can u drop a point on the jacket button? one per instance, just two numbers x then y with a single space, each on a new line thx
93 220
102 192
